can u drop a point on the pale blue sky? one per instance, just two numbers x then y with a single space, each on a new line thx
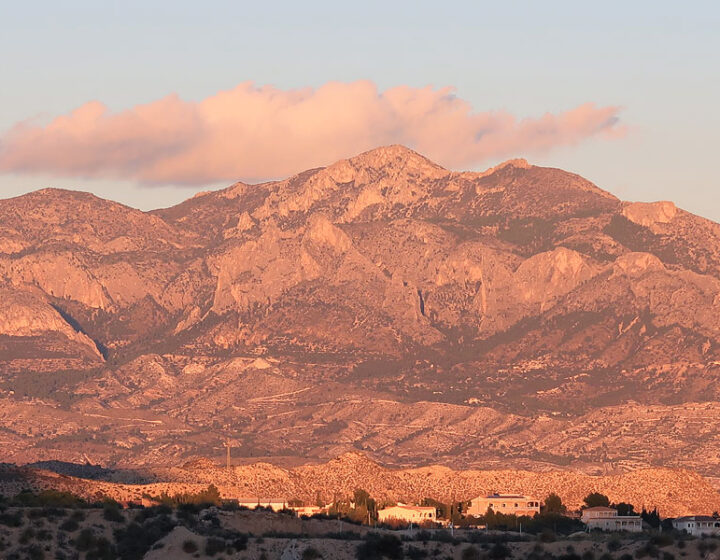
660 61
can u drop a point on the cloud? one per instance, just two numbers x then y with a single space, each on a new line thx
255 132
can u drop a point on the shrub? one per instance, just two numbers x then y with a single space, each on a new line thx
135 540
11 519
55 498
240 542
69 525
84 540
311 553
614 544
101 549
189 546
112 513
547 536
34 552
213 546
499 551
27 535
377 546
470 553
78 515
43 535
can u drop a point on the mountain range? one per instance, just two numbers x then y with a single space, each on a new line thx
518 318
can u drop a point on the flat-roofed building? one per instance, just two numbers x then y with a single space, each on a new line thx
607 519
275 504
408 514
509 504
308 511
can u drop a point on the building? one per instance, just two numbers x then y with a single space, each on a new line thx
275 504
408 514
308 511
697 525
607 519
509 504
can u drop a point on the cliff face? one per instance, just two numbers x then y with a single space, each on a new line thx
521 316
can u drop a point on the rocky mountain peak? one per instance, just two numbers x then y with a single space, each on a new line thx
396 308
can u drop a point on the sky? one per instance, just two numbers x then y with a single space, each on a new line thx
147 103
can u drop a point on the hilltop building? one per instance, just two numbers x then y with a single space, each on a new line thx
308 511
607 519
697 525
275 504
409 514
509 504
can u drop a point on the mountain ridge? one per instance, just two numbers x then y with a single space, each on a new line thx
366 305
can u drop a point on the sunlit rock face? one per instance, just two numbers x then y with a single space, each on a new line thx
518 316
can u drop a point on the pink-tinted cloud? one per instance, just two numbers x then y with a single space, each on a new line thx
262 132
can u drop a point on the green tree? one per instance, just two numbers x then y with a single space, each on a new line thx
595 499
624 508
553 504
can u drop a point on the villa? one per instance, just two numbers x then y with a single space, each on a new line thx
409 514
607 519
509 504
697 525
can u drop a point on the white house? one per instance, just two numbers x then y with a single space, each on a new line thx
308 511
697 525
408 514
510 504
275 504
607 519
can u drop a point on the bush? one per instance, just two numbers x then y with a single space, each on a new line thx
470 553
101 550
614 544
34 552
78 515
499 551
240 542
11 519
135 540
189 546
213 546
27 535
43 535
377 547
311 553
69 525
55 498
547 536
84 540
661 540
112 513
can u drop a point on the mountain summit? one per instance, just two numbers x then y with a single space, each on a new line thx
520 316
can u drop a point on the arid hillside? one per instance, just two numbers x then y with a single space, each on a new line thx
516 318
674 492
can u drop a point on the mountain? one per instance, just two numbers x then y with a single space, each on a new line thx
516 318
